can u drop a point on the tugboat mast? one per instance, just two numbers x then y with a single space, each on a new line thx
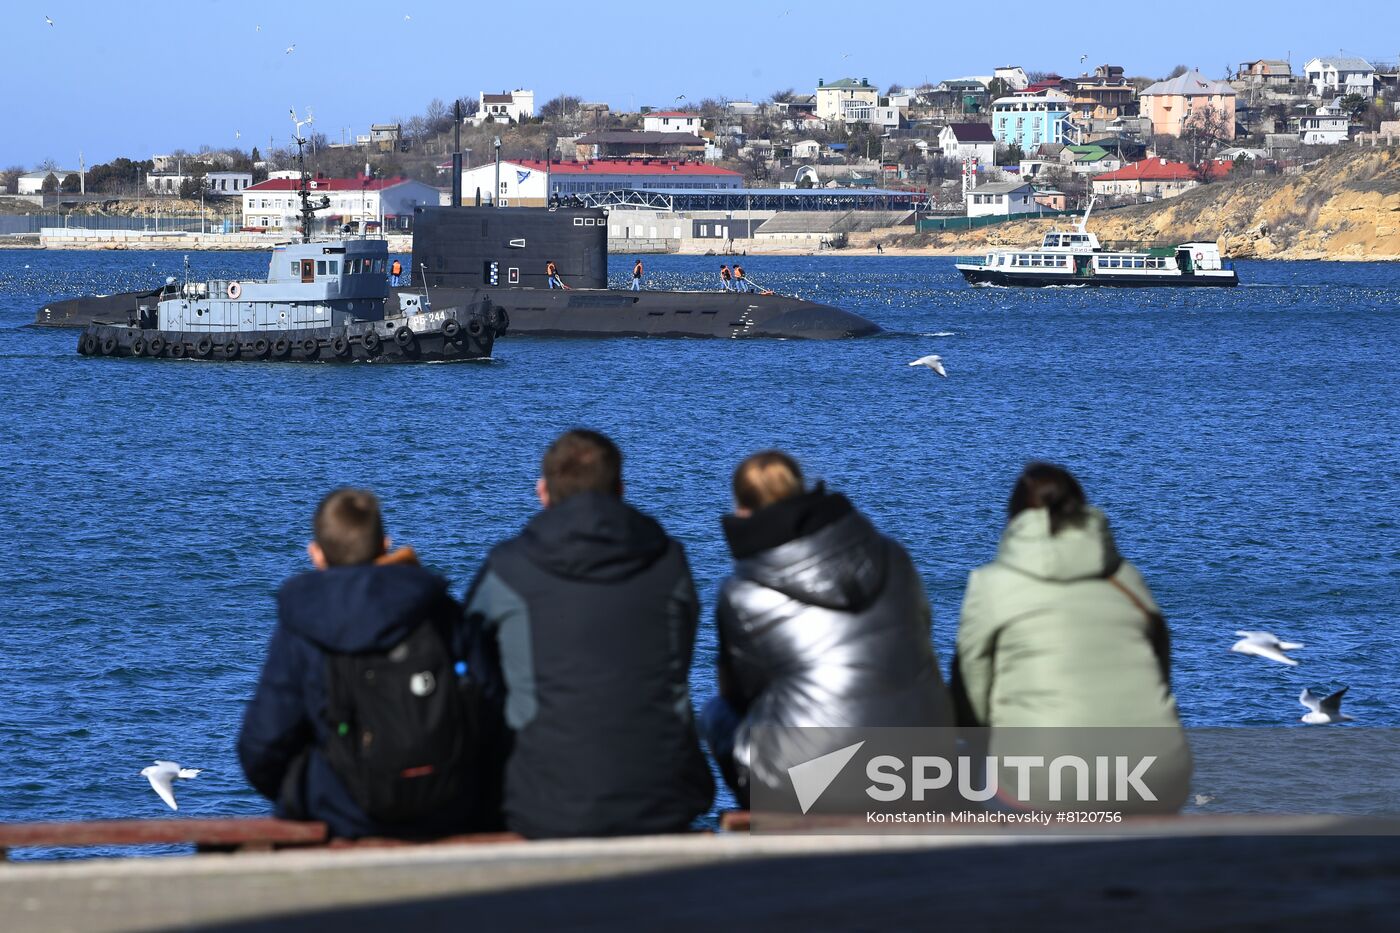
308 210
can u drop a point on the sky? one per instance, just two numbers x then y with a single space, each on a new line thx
139 77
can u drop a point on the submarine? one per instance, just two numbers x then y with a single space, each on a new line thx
465 254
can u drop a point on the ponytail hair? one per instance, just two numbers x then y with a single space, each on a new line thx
1053 488
765 478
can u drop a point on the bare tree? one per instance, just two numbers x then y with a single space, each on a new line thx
783 96
1177 72
754 165
563 107
437 117
10 178
1205 128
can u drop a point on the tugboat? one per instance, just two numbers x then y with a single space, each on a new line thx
1077 258
325 300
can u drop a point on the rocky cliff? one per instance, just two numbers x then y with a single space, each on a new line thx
1347 206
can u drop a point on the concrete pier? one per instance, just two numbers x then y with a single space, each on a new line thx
1185 874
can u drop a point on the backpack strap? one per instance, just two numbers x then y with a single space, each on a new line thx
1142 606
1157 632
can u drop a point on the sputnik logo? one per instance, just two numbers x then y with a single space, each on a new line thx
811 778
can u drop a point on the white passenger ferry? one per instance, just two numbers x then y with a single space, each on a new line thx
1076 257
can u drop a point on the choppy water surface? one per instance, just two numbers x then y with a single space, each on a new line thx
1244 443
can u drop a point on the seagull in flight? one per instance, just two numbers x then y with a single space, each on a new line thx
933 362
291 48
259 27
406 17
162 776
1266 645
1323 711
1083 58
47 20
237 135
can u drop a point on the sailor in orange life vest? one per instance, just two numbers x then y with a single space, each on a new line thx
637 276
741 284
395 271
726 281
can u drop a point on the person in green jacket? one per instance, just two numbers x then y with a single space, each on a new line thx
1060 631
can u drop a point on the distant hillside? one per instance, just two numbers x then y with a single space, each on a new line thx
1345 207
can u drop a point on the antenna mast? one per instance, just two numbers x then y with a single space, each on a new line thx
308 210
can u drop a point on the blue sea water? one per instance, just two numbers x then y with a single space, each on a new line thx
1243 442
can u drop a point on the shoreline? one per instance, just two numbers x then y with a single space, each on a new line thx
404 244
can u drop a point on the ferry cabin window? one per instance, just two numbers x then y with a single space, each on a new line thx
296 267
349 267
320 267
366 266
334 266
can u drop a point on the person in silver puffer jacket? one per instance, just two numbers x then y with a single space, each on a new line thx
823 622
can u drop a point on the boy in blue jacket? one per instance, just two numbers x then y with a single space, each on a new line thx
361 601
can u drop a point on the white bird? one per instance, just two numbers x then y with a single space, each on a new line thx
1083 59
259 27
1203 799
406 17
237 135
933 362
291 48
1266 645
162 776
1323 710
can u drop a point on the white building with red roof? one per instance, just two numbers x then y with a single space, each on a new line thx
1157 178
531 182
672 121
362 203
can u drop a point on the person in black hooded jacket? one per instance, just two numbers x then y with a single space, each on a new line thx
823 623
592 613
359 599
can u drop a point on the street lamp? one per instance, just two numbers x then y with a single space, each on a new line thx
496 195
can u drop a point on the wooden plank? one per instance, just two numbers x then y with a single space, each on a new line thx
206 833
374 842
735 821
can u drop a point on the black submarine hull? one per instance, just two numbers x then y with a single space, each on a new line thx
616 313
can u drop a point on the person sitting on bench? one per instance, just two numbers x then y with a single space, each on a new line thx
366 716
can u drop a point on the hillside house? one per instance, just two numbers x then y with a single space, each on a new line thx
1173 106
1340 76
834 99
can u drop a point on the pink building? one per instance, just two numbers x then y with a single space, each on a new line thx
1174 105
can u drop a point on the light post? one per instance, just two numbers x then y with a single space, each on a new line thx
496 194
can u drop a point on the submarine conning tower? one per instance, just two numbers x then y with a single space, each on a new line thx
490 247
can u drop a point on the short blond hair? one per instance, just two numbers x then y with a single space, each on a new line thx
765 478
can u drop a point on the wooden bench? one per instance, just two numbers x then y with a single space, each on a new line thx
206 835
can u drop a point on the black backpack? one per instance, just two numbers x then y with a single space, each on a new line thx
403 726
